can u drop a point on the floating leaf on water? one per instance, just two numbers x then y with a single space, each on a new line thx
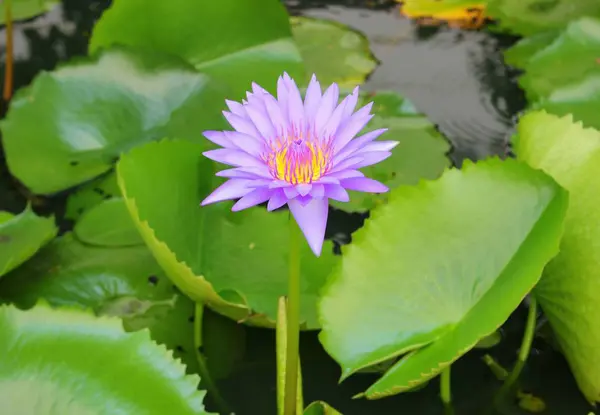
427 277
68 362
457 13
26 9
108 224
332 51
21 236
235 41
124 282
91 110
528 17
569 292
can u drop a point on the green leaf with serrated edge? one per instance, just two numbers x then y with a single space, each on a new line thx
569 292
123 282
21 236
92 194
168 179
566 63
26 9
320 408
428 276
421 154
281 346
528 17
521 52
68 362
108 224
89 111
332 51
235 41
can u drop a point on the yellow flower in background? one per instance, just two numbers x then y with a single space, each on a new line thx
468 14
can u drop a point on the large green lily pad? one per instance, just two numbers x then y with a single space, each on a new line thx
26 9
21 236
236 263
125 282
564 77
332 51
87 112
428 275
528 17
69 362
421 154
569 292
567 60
236 41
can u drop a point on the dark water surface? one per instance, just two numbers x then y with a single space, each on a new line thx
458 79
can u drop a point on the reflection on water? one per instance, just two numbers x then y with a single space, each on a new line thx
457 78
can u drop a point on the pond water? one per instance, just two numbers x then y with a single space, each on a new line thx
458 79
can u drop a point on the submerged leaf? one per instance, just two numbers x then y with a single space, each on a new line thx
569 292
235 263
235 41
21 236
427 274
69 362
332 51
88 112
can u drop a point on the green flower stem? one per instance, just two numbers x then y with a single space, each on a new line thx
445 392
525 346
293 321
205 377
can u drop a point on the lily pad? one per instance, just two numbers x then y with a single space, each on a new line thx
528 17
421 154
569 292
26 9
108 224
235 41
87 112
332 51
21 236
564 78
70 362
521 52
123 282
92 194
235 263
428 277
441 9
566 61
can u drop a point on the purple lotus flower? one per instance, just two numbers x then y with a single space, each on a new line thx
301 153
